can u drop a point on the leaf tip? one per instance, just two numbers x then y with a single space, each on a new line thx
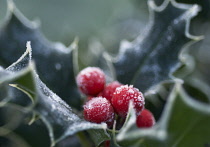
10 5
28 45
13 13
179 81
74 44
29 49
104 126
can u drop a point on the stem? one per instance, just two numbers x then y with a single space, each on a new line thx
114 134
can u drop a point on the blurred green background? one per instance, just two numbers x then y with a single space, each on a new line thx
108 20
104 23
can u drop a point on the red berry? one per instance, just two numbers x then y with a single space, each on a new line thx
123 95
107 143
99 110
91 80
110 89
145 119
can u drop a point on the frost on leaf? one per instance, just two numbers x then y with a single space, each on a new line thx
154 55
58 116
18 72
54 61
55 113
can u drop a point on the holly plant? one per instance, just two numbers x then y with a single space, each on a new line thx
153 92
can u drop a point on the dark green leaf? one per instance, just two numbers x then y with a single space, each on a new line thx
55 63
15 107
200 53
55 113
154 55
19 73
98 136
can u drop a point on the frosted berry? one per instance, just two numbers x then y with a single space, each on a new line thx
110 89
99 110
122 97
145 119
91 80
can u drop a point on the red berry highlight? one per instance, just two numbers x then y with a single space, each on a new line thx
110 89
145 119
91 80
123 95
99 110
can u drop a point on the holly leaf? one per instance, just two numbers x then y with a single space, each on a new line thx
183 120
54 61
59 118
19 73
98 136
15 107
199 77
154 55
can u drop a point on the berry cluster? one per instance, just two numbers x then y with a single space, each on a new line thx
106 101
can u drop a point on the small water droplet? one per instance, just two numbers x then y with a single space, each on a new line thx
58 66
169 38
